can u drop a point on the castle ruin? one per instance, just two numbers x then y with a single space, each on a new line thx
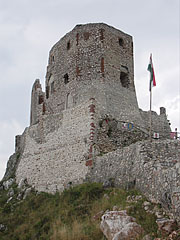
87 125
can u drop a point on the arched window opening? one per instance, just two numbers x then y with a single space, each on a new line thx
121 42
124 78
66 78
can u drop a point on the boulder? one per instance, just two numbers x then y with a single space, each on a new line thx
9 200
108 183
117 225
130 231
8 183
22 183
10 192
27 192
2 227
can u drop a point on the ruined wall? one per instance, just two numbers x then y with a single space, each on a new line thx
153 168
160 123
54 158
37 102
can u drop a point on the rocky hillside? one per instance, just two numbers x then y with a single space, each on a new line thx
84 212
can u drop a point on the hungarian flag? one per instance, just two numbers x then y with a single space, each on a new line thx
152 76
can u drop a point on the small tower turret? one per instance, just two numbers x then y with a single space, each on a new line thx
37 101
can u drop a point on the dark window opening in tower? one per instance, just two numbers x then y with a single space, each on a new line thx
41 99
47 92
68 45
121 42
124 79
66 78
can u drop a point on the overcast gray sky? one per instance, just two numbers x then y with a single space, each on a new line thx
29 28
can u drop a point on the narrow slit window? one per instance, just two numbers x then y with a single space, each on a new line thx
66 78
77 39
68 45
47 92
41 99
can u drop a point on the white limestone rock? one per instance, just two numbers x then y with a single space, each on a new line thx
8 183
117 225
10 192
27 192
22 183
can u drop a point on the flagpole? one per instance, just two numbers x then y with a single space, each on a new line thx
150 118
151 84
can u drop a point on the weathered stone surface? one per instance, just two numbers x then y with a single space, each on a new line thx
27 192
22 183
146 166
117 225
166 226
9 199
129 232
10 192
7 184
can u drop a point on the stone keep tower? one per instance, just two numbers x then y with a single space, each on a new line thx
89 96
91 61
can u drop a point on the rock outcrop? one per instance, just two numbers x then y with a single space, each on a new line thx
117 225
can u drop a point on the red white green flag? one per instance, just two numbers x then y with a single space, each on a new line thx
152 76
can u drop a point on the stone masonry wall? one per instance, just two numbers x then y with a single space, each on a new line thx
160 123
60 158
153 168
93 61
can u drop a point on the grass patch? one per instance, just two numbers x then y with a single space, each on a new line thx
68 216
